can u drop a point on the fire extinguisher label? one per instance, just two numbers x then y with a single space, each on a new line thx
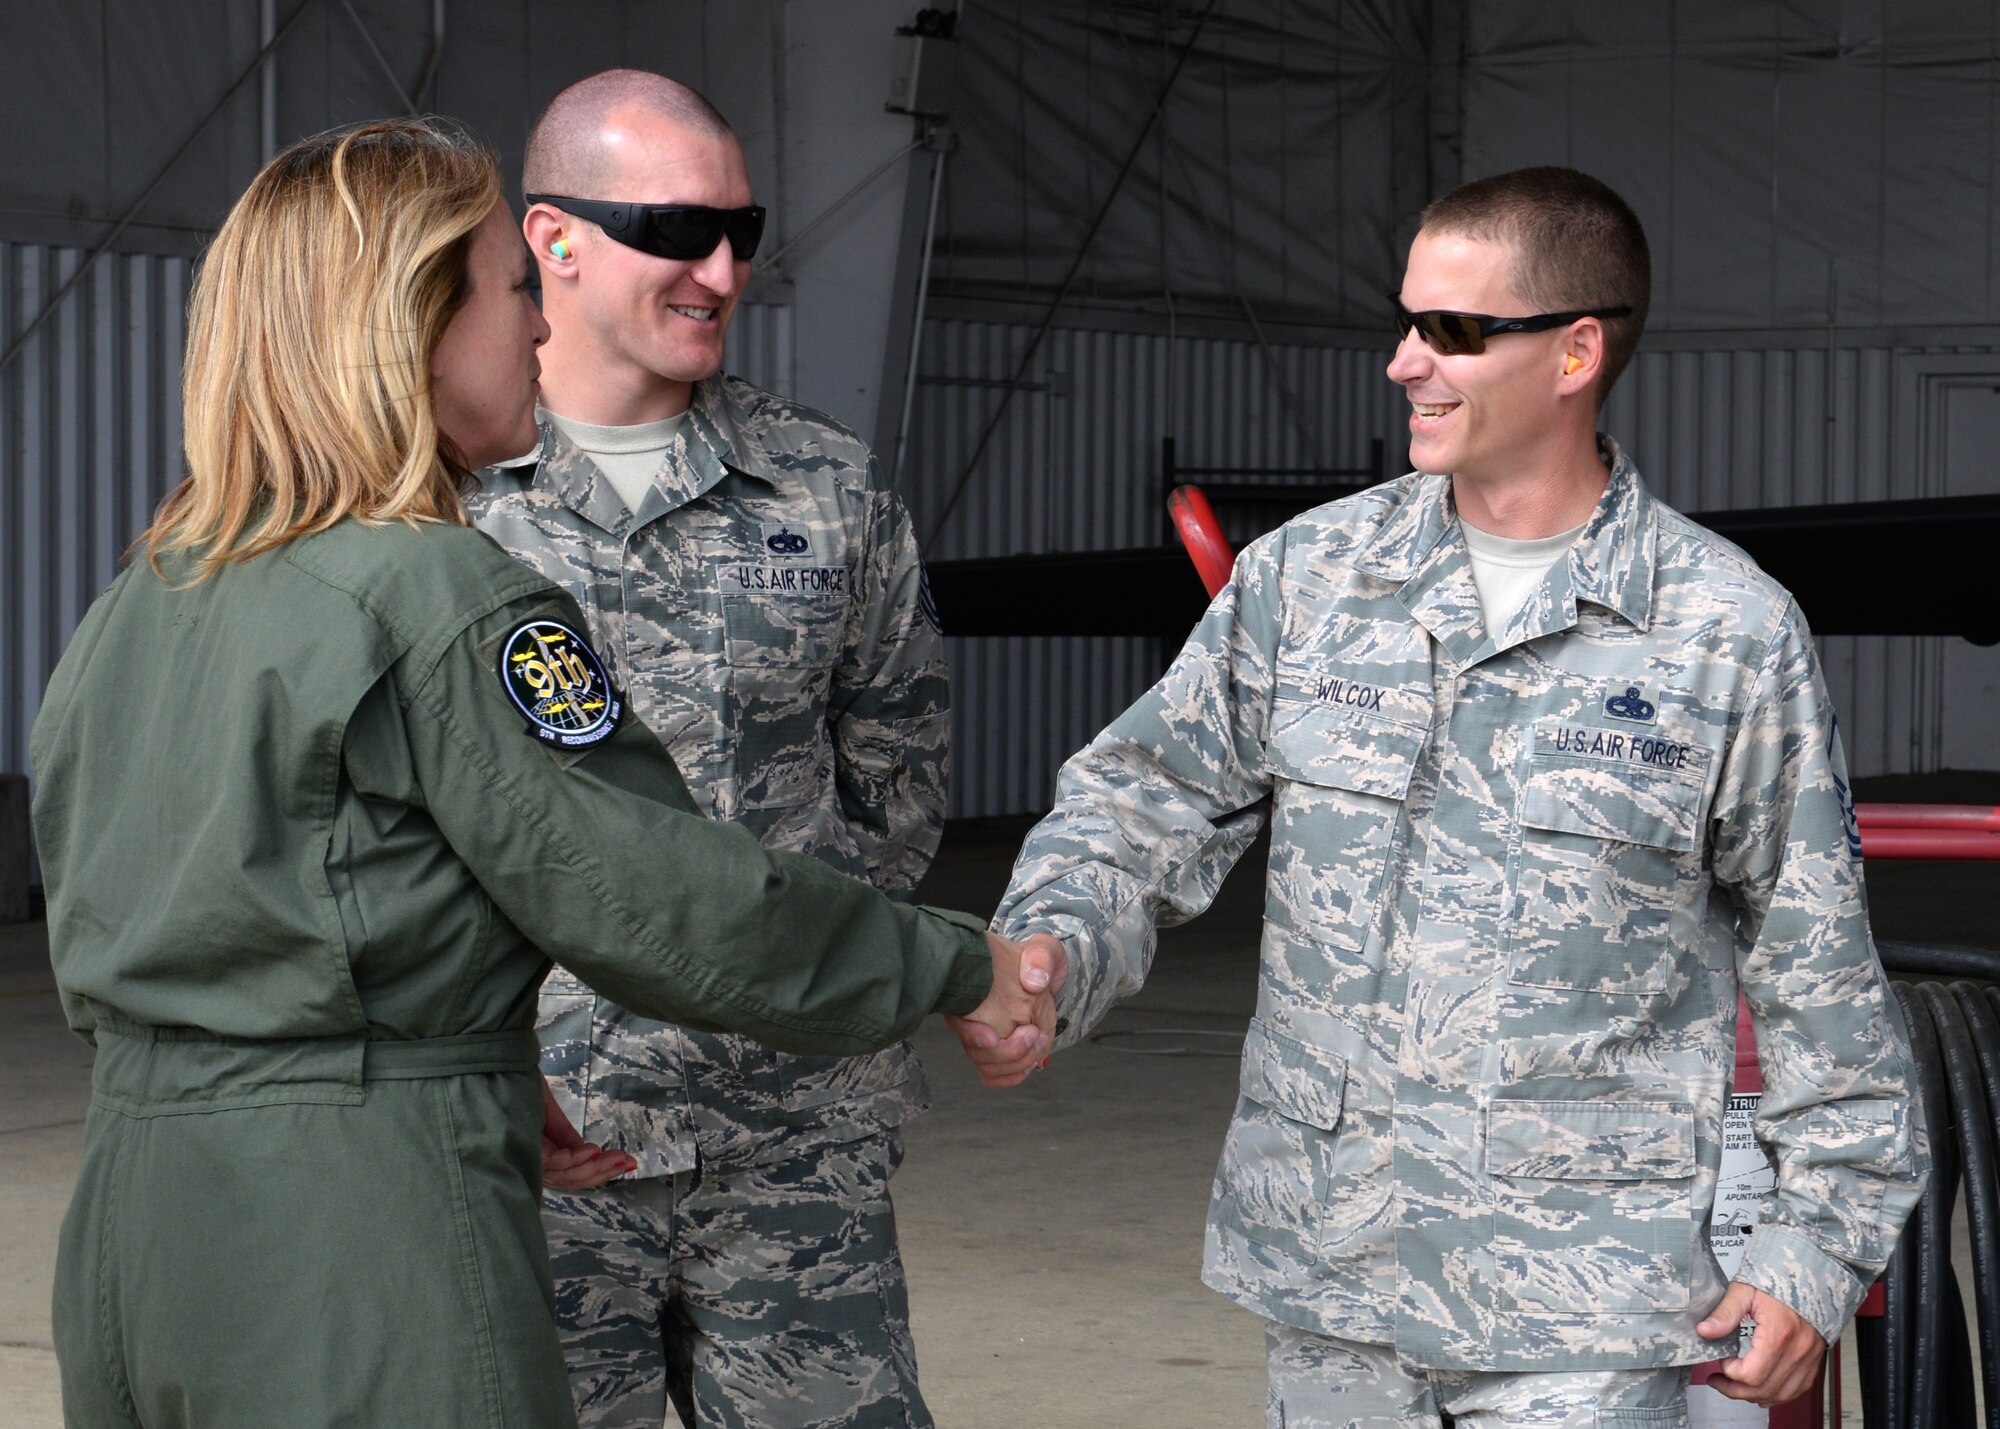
1746 1179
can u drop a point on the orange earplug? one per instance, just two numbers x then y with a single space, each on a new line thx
1570 367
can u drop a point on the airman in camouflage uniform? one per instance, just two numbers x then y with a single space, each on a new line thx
765 608
1516 879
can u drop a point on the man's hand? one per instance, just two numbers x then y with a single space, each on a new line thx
569 1163
1007 1035
1784 1350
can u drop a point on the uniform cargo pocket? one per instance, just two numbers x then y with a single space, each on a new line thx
1593 1208
819 1081
563 1026
1341 777
1607 850
1292 1177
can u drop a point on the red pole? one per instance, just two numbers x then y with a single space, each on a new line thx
1938 842
1194 520
1966 817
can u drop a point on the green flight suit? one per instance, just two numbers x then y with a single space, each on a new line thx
307 860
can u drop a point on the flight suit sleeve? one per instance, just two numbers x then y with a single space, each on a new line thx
600 858
890 711
1152 814
1838 1112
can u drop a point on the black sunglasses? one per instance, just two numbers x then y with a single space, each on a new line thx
1457 334
681 231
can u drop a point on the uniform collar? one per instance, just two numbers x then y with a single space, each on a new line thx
1420 546
718 423
705 451
1612 562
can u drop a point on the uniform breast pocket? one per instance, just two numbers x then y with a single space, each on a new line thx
1341 777
783 617
1608 853
783 627
1593 1204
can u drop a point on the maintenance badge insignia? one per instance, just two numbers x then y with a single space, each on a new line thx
782 540
1630 705
554 678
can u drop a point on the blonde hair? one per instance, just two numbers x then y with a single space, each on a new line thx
306 390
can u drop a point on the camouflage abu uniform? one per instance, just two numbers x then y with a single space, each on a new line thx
1514 885
765 608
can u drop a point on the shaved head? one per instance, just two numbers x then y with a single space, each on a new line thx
567 150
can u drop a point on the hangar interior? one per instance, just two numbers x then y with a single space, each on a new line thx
1125 238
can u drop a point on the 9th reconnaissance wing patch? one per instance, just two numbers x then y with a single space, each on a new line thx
552 676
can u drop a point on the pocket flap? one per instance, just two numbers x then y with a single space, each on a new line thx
1292 1079
1611 784
1343 748
1592 1141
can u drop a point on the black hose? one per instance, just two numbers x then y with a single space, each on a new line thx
1909 1282
1891 1356
1982 1185
1951 1351
1933 1220
1961 1398
1940 960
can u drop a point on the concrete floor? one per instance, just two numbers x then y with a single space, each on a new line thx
1052 1233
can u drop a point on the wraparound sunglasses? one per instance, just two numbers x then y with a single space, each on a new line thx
1458 334
681 231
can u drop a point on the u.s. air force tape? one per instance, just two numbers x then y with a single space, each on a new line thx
554 678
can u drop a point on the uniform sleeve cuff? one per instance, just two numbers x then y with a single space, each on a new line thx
1072 1019
970 978
1822 1288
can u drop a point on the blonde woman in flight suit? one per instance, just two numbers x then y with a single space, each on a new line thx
324 781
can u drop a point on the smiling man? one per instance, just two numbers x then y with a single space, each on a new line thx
755 587
1552 774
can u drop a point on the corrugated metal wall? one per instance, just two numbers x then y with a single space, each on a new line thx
91 437
1730 430
1075 466
1075 462
759 346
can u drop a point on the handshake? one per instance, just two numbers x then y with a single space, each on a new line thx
1010 1034
1007 1036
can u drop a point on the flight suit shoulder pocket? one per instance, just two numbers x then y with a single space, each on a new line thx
1593 1141
1342 748
1301 1082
